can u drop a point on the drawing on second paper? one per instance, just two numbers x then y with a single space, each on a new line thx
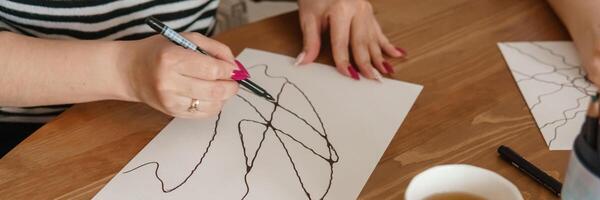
552 82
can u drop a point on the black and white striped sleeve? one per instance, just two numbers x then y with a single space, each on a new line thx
105 19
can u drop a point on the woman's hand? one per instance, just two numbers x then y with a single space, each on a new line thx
167 77
582 19
352 27
588 46
587 41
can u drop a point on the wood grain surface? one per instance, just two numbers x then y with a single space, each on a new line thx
470 104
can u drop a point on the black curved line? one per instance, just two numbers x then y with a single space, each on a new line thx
566 119
539 98
562 57
563 124
162 183
586 89
553 67
332 158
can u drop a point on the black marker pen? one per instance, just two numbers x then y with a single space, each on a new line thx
178 39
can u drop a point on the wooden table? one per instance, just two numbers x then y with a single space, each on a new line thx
470 104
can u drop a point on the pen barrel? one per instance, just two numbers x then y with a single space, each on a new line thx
531 170
155 24
251 86
178 39
172 35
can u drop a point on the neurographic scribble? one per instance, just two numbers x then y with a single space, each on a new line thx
331 157
572 76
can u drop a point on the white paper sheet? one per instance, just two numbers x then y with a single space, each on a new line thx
327 149
552 81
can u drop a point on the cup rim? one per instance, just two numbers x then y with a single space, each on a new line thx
509 185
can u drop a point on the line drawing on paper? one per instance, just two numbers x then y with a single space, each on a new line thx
331 157
549 79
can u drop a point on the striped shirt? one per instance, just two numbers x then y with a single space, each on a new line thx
96 20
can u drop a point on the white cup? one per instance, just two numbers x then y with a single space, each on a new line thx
461 178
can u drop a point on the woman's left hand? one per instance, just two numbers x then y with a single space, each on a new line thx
352 27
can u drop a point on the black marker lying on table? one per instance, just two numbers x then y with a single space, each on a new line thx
538 175
241 75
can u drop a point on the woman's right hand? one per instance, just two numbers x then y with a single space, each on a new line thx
167 77
588 45
582 19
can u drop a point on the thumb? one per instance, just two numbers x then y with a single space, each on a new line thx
312 40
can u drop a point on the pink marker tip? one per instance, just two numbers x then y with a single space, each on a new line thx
241 73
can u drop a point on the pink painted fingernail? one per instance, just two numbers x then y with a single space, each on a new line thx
378 76
299 58
353 73
402 51
241 73
389 68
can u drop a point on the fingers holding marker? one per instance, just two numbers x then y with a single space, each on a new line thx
208 90
204 67
202 109
212 47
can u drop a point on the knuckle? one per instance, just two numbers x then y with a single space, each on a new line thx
342 63
217 91
211 109
210 72
231 89
364 63
359 39
223 48
193 35
167 56
162 85
340 45
167 104
365 5
341 7
236 89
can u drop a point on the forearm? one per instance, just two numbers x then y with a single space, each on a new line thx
582 19
578 15
42 72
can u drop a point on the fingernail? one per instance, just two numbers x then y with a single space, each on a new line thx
299 58
241 73
377 75
353 73
402 51
388 67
